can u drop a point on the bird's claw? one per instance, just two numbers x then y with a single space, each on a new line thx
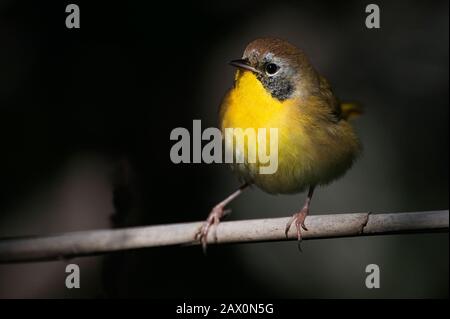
299 219
213 220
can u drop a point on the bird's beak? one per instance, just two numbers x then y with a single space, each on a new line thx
244 64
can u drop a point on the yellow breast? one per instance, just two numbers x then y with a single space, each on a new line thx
249 105
309 152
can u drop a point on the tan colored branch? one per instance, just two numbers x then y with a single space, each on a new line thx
257 230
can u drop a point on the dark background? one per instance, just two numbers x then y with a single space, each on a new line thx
85 118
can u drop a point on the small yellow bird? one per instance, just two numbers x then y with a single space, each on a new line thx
277 87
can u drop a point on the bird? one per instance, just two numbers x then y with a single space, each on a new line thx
276 86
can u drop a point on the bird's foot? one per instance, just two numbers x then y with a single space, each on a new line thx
213 219
299 220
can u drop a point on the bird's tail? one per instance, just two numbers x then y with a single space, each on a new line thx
351 110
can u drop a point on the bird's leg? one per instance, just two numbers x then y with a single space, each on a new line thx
299 217
215 215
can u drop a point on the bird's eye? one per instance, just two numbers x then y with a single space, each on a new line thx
271 68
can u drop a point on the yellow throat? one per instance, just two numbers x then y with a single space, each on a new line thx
249 105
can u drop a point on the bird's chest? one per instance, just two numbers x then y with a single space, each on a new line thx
249 106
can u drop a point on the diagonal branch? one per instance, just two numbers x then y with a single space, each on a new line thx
257 230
